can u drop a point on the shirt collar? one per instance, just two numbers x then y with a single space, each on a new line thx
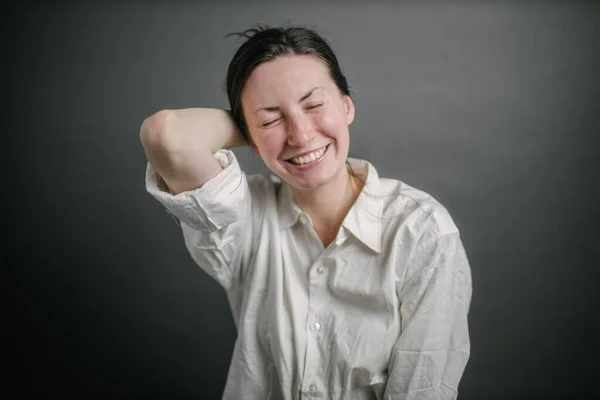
364 217
288 209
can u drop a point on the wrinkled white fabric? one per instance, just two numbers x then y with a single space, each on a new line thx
381 313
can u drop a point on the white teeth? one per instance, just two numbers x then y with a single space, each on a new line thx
309 158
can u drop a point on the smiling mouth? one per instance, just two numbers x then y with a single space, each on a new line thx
308 158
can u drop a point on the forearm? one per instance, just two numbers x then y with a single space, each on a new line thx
180 144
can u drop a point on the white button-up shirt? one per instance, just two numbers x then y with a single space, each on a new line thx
380 313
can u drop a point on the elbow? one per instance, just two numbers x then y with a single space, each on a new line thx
154 128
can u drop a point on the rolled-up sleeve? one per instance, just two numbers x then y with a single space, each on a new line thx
214 218
433 348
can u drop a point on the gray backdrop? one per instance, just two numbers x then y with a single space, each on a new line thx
491 107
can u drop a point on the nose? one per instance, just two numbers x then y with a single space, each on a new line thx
299 130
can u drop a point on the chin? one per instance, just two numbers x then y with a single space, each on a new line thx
305 186
313 181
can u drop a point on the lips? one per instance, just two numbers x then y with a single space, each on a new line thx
309 157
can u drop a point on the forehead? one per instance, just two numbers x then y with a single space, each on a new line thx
286 76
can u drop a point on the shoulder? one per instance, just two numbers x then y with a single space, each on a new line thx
416 208
265 190
401 204
262 185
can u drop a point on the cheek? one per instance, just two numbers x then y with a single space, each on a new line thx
270 144
332 123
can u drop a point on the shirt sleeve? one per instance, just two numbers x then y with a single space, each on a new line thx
433 348
214 218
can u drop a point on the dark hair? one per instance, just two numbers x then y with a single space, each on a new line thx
267 44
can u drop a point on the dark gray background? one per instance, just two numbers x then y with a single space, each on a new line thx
491 107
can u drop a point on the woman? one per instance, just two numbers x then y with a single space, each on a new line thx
342 284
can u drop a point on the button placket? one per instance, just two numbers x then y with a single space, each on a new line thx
312 386
324 265
312 361
313 389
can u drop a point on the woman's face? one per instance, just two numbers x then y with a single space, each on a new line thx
298 120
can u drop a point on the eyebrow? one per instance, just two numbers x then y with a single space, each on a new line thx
304 97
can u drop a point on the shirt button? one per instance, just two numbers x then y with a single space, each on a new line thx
320 270
312 387
302 218
316 326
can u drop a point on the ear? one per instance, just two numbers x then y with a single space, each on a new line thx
349 109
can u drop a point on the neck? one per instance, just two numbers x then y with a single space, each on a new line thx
329 204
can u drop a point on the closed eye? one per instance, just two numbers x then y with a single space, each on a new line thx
315 106
269 123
